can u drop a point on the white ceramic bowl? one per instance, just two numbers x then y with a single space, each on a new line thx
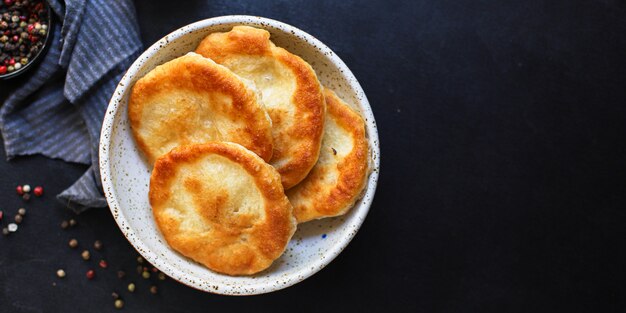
125 175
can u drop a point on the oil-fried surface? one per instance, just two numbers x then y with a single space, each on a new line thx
222 206
291 93
192 99
336 181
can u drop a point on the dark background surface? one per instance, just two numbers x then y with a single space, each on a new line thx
502 187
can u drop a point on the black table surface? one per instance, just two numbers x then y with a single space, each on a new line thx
502 129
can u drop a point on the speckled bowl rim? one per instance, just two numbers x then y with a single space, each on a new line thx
180 275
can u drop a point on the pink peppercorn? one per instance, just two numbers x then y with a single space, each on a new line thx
20 190
103 264
90 274
38 191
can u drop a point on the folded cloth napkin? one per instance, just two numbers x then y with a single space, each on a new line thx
58 112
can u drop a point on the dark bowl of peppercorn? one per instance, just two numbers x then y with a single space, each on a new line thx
25 27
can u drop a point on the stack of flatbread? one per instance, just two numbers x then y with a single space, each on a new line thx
245 143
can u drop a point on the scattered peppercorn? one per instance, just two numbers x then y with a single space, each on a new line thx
26 196
21 211
153 290
1 214
73 243
154 270
60 273
26 188
161 276
38 191
86 255
12 227
5 231
97 245
73 222
139 269
115 295
121 274
145 275
103 264
90 274
119 304
65 224
131 287
18 219
139 260
19 190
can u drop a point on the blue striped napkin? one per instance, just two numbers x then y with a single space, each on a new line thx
58 112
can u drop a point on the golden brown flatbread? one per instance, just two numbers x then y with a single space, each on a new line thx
222 206
291 93
338 178
192 99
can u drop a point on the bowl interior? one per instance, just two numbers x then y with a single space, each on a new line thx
126 175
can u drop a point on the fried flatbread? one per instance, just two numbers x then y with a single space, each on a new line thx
192 99
291 93
338 178
222 206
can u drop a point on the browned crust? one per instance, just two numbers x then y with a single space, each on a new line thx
195 73
308 98
352 170
267 238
